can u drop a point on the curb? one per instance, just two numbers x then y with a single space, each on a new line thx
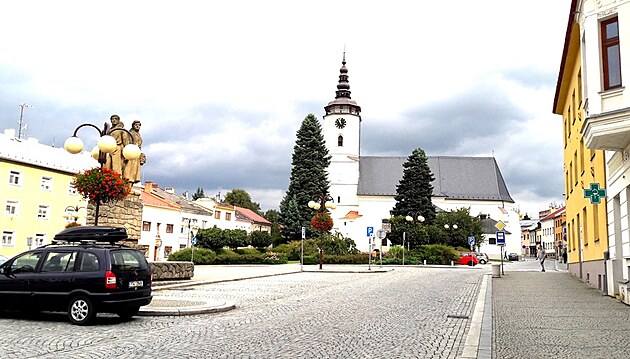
207 307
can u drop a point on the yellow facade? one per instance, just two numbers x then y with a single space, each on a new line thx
587 237
35 207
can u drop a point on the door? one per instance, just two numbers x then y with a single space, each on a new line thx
16 277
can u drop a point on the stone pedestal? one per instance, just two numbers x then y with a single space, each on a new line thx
126 213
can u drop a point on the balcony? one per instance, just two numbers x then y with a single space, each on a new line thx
607 131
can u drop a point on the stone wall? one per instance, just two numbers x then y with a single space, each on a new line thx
172 270
126 213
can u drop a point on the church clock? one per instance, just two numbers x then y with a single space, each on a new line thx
340 123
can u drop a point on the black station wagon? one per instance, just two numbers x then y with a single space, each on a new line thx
83 272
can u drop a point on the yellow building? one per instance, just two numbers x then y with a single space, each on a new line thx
36 192
587 237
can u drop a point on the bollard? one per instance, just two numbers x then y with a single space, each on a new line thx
425 262
496 270
452 263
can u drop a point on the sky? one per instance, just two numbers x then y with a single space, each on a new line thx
221 88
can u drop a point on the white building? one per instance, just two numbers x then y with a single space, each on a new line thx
605 57
363 187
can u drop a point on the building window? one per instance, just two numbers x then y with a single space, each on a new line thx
15 178
340 141
146 226
72 191
42 211
169 228
217 214
11 208
7 238
228 216
46 183
40 238
610 53
492 240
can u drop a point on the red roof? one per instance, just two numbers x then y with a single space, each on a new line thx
154 200
554 214
252 215
352 215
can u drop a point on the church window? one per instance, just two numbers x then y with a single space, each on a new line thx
340 141
338 199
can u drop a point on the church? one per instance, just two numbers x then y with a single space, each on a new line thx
363 187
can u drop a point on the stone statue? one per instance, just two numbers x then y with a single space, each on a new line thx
131 169
115 160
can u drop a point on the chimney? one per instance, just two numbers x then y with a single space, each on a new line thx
148 186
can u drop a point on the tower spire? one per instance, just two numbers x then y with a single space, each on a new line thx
343 87
343 103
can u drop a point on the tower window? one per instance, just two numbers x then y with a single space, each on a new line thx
340 141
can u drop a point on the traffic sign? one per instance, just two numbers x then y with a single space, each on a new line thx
194 240
471 240
500 225
370 231
381 234
303 232
501 238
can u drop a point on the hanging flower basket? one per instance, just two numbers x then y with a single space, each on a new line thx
322 221
101 185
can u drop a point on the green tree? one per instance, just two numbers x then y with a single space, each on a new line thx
414 191
198 194
235 238
260 240
309 178
466 226
240 197
273 216
211 238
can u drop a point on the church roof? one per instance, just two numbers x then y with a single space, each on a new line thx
459 178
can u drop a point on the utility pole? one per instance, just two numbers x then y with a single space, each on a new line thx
21 125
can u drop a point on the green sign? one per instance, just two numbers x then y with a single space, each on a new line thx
595 193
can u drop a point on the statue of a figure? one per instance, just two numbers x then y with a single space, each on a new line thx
131 170
115 160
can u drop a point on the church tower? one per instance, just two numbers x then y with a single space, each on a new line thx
342 134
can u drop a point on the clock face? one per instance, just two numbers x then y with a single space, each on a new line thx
340 123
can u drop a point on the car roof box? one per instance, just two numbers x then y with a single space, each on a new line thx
92 233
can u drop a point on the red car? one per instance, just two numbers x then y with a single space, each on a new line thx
468 258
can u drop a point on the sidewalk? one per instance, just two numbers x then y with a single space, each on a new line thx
207 274
555 315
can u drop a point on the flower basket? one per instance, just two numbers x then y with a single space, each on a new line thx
322 221
101 185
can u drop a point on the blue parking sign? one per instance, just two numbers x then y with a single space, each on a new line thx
370 231
194 240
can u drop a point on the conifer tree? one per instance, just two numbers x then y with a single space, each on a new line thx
309 177
414 191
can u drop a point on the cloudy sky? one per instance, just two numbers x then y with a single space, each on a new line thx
222 87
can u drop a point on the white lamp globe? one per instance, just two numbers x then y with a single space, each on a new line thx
73 145
107 144
95 152
131 151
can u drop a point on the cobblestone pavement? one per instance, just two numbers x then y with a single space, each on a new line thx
405 313
555 315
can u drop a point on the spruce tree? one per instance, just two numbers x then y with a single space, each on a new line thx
309 176
414 191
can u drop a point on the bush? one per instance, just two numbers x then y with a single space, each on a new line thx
438 254
274 258
201 256
238 259
260 239
242 251
292 250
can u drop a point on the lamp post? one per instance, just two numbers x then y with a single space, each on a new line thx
450 228
73 212
106 144
321 203
414 217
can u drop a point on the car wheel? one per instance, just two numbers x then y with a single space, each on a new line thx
80 311
128 312
471 263
483 261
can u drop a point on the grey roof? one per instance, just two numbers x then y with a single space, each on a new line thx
461 178
186 205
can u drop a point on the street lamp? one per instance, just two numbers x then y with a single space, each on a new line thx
322 203
106 144
73 212
414 217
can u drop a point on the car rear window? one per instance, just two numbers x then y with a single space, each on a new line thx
128 259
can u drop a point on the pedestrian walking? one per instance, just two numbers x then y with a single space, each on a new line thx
541 255
564 256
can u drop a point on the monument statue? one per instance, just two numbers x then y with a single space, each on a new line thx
129 169
115 160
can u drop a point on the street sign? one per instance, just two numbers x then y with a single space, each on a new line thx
194 241
381 234
387 227
595 193
303 232
471 240
500 225
370 231
501 238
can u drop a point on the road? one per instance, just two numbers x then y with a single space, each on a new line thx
404 313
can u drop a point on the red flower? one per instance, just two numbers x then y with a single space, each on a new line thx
322 221
102 185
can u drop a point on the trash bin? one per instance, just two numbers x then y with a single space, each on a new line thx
496 270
